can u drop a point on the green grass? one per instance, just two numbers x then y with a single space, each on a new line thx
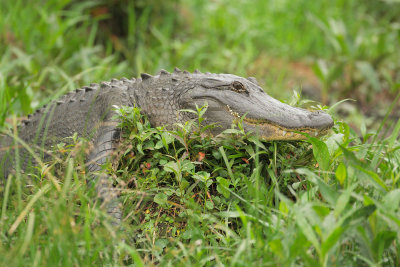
60 45
196 201
230 201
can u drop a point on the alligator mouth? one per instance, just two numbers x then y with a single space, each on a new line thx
269 130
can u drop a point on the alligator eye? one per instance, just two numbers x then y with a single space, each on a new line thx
238 87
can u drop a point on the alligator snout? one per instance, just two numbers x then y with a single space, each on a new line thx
320 119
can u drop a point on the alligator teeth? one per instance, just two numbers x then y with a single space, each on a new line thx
283 133
235 114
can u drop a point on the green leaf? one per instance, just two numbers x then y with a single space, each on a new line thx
161 199
332 239
360 215
353 160
159 145
222 187
161 243
249 149
341 173
341 202
321 153
187 166
391 200
203 177
333 142
320 70
228 166
395 134
166 139
307 229
277 248
283 208
188 110
374 178
382 241
209 182
257 142
184 183
209 204
201 110
139 148
171 166
329 193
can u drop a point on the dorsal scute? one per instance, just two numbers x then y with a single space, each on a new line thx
127 82
146 76
163 72
253 80
89 88
105 85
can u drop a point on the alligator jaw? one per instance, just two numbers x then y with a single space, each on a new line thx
270 131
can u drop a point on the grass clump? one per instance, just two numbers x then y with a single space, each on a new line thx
177 171
239 200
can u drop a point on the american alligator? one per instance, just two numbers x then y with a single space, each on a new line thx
89 113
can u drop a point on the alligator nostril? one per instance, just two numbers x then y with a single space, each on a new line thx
313 114
316 113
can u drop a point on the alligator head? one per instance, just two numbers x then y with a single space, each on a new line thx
229 98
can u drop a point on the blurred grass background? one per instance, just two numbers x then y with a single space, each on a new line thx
343 206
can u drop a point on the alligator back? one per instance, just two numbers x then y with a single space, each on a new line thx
82 111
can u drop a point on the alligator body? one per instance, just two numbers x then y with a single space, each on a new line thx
89 113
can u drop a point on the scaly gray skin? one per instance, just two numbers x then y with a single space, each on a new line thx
88 112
